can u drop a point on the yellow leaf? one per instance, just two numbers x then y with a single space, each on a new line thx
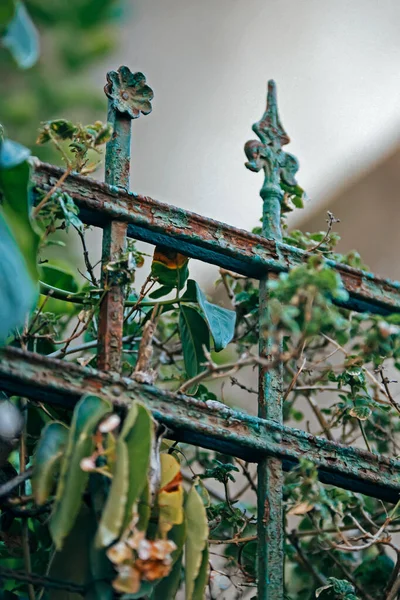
170 496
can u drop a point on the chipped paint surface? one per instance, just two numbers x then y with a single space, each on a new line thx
208 240
128 97
111 315
263 439
268 155
193 421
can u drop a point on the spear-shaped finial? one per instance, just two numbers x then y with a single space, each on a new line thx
278 166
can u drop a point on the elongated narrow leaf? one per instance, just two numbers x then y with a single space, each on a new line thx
196 540
21 38
144 509
194 335
113 514
202 577
17 291
15 208
87 414
130 474
18 240
221 321
47 460
138 438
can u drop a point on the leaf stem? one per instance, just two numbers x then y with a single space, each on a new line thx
49 194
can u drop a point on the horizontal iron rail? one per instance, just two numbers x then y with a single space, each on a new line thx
208 240
208 424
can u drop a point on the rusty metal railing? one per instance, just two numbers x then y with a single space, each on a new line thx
263 439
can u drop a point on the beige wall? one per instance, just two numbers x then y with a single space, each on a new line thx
369 213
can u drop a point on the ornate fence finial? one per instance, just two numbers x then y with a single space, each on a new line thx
129 92
278 165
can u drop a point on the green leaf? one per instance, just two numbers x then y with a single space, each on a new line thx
70 212
196 542
139 440
47 460
15 207
144 508
102 574
114 511
62 279
202 578
169 268
130 474
18 240
63 129
12 154
164 290
17 292
145 589
21 38
220 321
342 589
362 413
87 414
194 335
7 11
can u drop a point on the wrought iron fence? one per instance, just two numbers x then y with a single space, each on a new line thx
264 439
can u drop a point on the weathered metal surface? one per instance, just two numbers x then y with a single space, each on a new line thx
208 240
128 96
268 155
269 471
277 164
207 424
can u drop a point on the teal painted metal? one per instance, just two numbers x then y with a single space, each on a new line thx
277 164
128 97
208 240
208 424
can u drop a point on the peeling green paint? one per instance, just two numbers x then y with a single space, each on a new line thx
59 382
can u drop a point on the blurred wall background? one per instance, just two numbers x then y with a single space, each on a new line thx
337 69
336 64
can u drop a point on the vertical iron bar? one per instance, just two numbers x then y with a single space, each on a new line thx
270 474
267 154
111 317
128 97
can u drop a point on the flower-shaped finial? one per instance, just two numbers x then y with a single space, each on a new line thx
268 153
129 92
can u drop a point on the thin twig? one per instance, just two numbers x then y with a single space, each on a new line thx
7 488
86 258
294 380
330 220
49 194
320 417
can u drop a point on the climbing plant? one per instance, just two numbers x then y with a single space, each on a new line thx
100 500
